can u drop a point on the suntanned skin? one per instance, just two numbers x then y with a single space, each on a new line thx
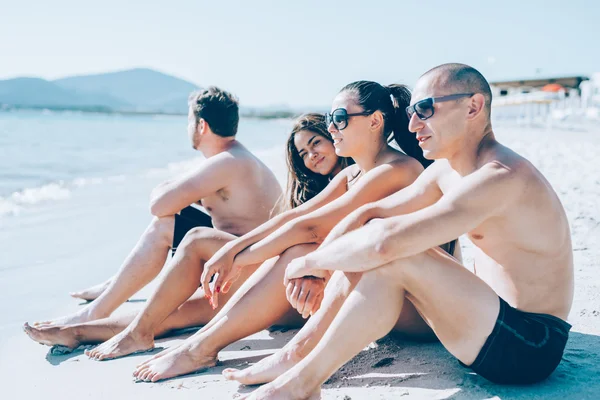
165 311
225 184
292 234
477 187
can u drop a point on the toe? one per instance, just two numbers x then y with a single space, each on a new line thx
146 375
230 373
142 374
139 371
155 377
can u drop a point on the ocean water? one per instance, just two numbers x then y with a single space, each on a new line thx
46 157
74 194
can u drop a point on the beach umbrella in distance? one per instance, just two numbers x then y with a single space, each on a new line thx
553 87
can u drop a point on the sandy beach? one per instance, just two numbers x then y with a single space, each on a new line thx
45 257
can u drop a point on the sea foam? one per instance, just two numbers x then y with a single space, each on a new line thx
17 201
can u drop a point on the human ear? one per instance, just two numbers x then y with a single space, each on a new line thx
201 126
476 105
376 120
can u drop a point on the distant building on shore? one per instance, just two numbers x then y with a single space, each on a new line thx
542 99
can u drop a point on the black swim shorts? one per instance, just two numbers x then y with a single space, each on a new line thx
523 347
189 218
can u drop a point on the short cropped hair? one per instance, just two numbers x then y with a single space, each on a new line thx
218 108
464 79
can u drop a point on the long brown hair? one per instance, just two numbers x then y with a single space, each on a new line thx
304 184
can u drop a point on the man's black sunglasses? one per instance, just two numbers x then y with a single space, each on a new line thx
424 108
339 117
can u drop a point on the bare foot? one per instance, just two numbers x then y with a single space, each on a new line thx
285 388
266 370
51 336
91 293
156 356
186 358
125 343
84 315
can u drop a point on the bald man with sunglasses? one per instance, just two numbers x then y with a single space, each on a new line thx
507 319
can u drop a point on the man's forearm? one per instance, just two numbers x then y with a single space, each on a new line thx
155 196
356 251
159 189
351 222
393 238
164 199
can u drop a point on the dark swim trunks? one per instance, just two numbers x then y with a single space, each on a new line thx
523 347
188 219
450 247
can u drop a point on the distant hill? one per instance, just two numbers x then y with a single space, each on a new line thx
139 89
35 92
144 89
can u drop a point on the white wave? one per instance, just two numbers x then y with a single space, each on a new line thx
17 201
52 191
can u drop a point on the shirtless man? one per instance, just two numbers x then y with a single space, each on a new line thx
236 188
506 321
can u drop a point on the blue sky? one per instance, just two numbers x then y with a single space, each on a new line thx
298 52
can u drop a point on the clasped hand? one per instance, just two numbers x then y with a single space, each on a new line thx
305 286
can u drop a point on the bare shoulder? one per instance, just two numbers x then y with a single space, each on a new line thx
406 163
507 165
235 158
224 158
349 173
227 167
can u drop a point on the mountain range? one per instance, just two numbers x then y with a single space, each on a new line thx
135 90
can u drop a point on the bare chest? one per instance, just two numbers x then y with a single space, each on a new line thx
216 201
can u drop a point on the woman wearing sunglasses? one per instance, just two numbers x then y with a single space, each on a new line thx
365 114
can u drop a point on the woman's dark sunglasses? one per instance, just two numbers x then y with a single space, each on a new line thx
339 117
424 108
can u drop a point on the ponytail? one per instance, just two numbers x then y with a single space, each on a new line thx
400 96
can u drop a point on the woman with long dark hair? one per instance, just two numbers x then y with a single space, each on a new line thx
311 159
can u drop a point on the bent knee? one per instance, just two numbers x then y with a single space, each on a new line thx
162 227
299 250
196 238
410 266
